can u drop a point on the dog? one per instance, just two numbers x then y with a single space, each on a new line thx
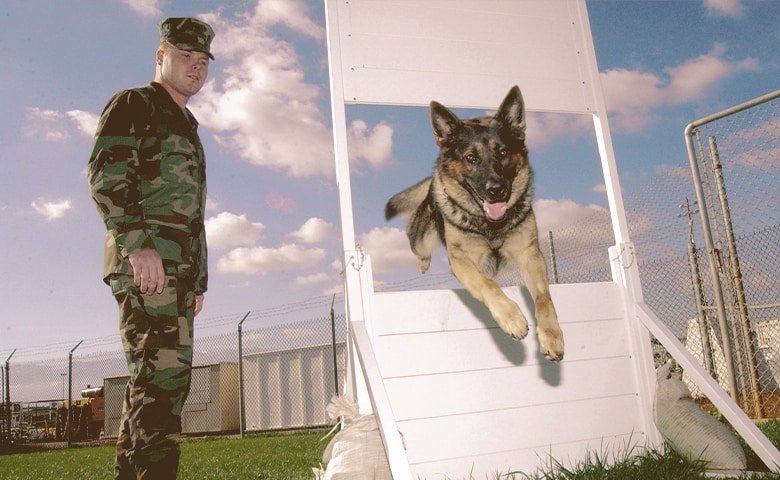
478 204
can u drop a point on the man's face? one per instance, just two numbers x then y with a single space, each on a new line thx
184 71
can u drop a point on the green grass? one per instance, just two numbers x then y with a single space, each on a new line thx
292 456
649 465
256 457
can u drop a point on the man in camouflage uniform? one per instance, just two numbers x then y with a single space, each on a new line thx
147 178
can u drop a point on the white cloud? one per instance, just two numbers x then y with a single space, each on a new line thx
765 150
261 260
337 265
372 146
258 102
51 210
55 126
632 95
43 114
261 104
336 289
697 77
582 235
291 14
312 279
85 121
314 230
146 8
45 124
553 215
211 204
228 230
544 128
727 8
389 249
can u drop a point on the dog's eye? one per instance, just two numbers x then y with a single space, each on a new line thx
502 153
471 158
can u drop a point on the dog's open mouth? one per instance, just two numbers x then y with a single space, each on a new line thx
494 211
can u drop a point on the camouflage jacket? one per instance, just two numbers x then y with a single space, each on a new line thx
147 175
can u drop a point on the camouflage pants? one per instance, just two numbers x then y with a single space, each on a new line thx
157 337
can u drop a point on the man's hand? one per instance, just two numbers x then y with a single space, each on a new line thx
148 273
198 304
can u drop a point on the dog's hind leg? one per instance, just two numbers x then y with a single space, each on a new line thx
422 233
505 312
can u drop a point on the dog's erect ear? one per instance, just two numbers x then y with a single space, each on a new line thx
443 121
511 113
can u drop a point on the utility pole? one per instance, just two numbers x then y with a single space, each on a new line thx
698 291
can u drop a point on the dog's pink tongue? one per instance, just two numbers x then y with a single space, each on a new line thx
494 211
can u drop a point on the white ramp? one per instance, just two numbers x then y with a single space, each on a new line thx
469 400
454 397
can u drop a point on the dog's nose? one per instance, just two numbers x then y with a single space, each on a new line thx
495 190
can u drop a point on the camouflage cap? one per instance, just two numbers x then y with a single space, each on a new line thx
188 34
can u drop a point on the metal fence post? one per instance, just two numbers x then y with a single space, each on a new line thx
713 263
241 408
333 342
8 396
736 278
70 391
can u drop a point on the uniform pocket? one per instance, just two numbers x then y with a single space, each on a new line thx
121 285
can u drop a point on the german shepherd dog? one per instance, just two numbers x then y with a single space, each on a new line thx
478 204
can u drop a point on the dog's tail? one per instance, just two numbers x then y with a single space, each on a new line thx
407 201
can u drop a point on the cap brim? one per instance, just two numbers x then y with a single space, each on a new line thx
197 50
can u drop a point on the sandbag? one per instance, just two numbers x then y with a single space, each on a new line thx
356 452
690 431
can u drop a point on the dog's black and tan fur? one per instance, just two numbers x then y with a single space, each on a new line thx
478 203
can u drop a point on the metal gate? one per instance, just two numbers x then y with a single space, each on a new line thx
735 162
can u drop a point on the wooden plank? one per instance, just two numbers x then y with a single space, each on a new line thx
447 310
485 390
445 352
539 426
391 438
539 48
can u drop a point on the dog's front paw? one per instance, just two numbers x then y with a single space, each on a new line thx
423 264
551 342
510 319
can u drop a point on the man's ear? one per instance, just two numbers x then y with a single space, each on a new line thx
158 56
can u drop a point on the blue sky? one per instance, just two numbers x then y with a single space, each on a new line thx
272 216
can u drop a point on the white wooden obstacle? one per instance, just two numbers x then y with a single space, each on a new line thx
453 395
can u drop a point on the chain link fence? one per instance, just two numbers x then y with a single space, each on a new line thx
738 155
247 376
282 376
